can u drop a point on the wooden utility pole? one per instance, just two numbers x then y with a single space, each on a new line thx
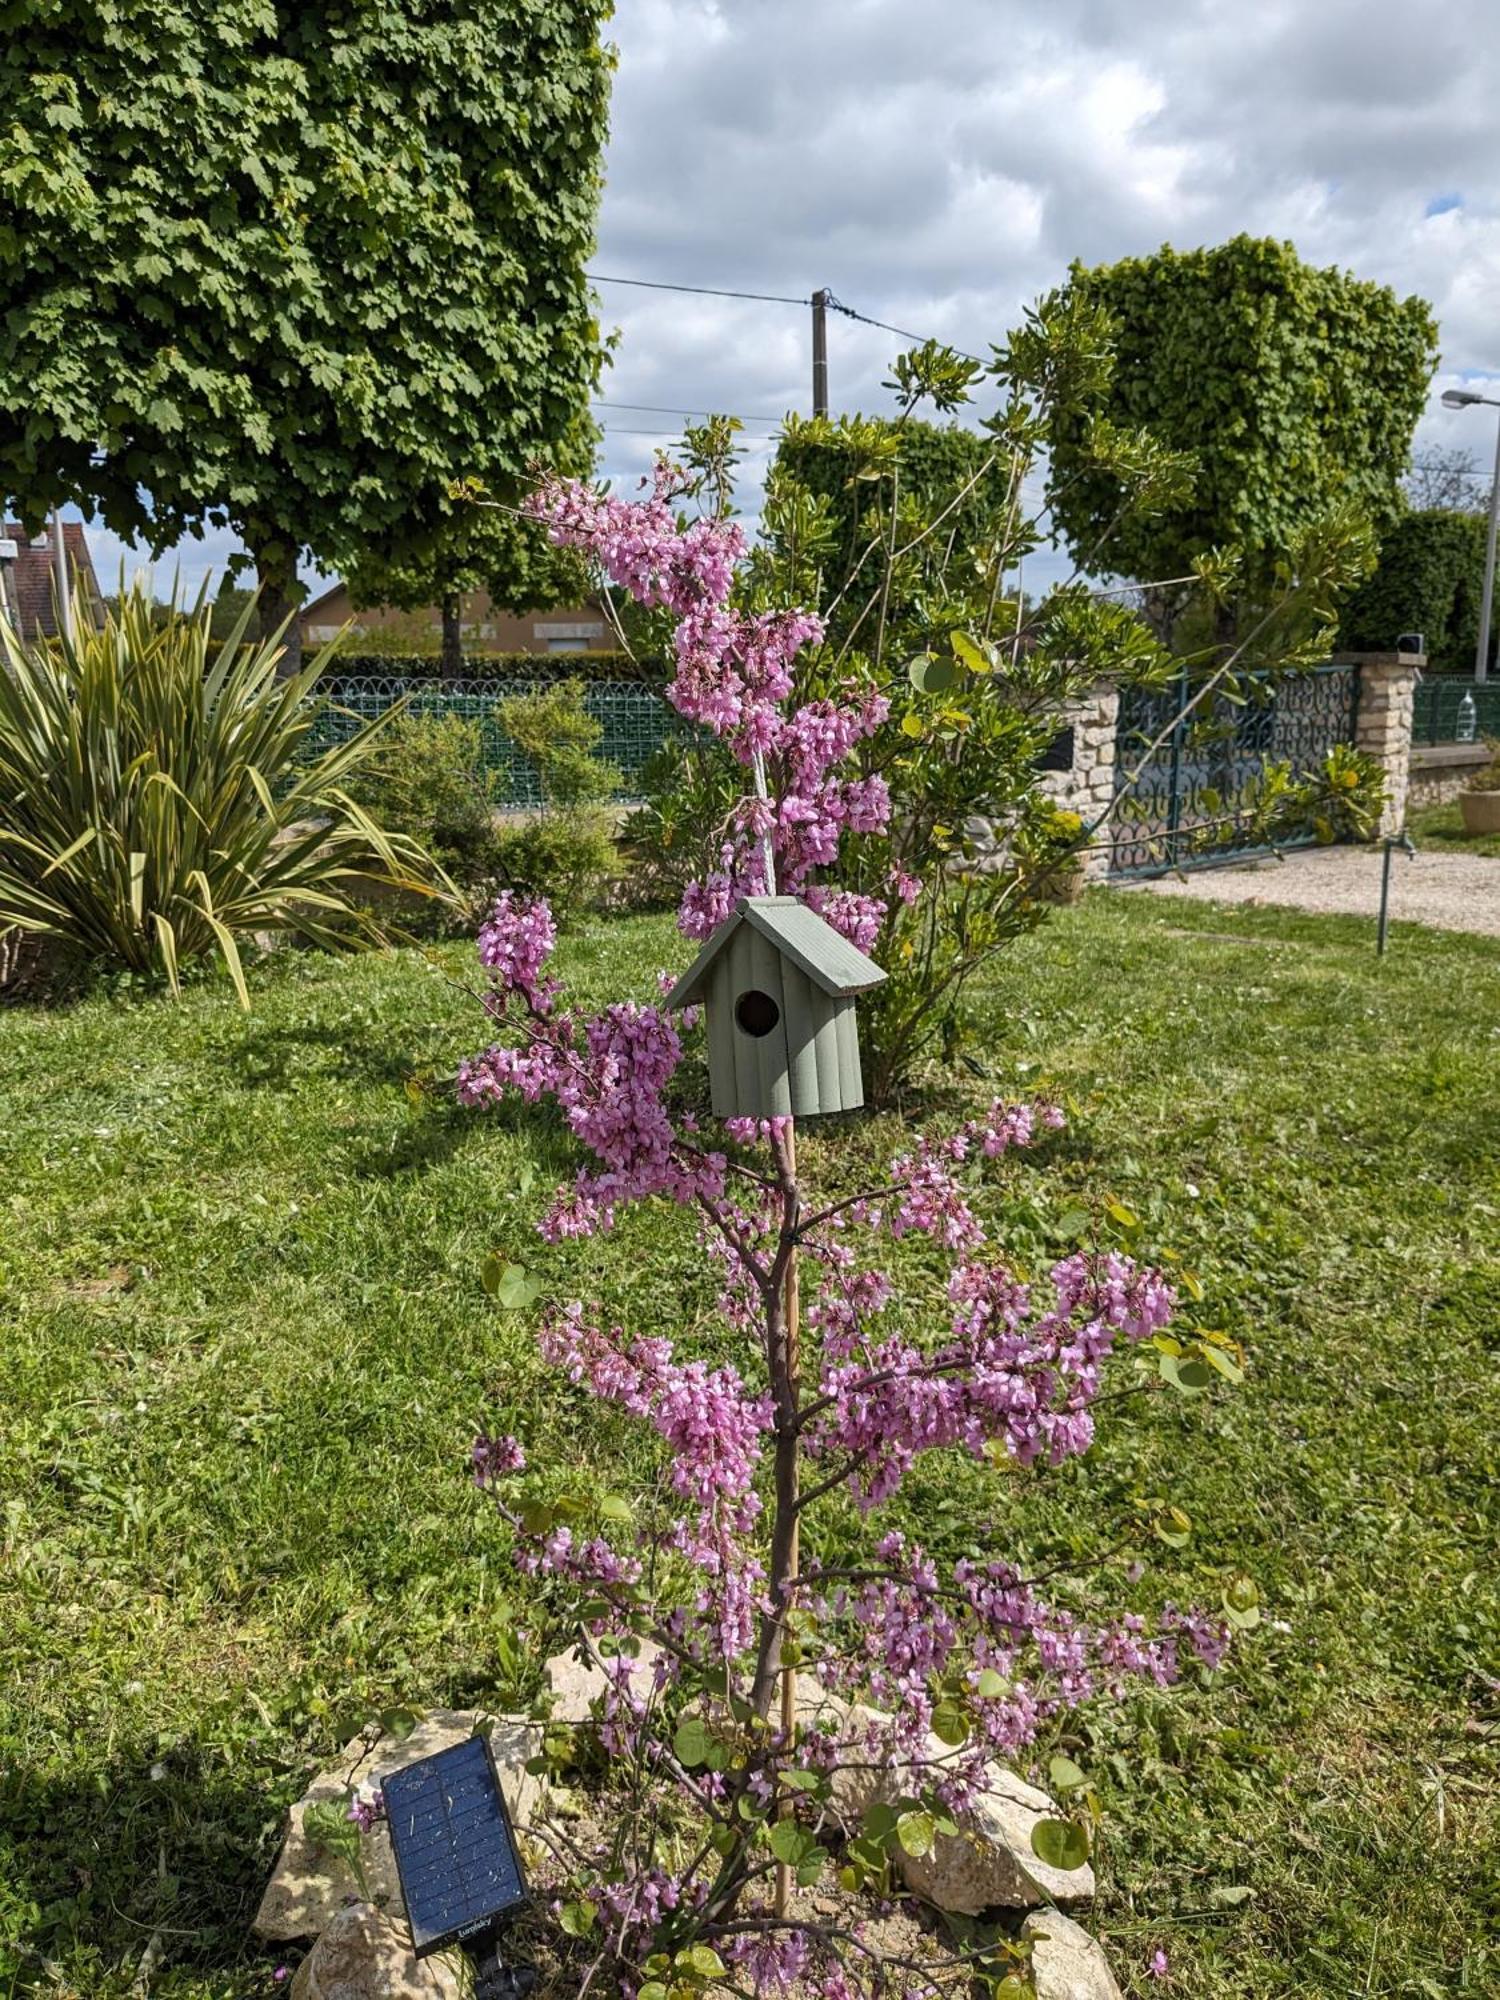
820 352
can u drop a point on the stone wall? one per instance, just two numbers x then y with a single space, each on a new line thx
1440 771
1088 785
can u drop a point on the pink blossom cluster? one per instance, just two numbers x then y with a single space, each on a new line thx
900 1628
1013 1373
706 1416
734 677
515 942
607 1074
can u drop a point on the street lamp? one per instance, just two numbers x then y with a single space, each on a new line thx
1460 399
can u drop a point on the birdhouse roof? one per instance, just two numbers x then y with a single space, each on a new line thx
799 934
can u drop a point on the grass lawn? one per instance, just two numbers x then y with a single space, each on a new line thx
1442 829
246 1348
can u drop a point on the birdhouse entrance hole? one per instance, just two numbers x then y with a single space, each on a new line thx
757 1013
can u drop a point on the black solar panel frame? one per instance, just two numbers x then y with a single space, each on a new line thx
475 1927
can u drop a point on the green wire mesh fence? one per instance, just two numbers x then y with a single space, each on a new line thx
1455 711
636 721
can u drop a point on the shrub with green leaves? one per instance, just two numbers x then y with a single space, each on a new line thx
561 738
158 808
1429 579
426 777
566 852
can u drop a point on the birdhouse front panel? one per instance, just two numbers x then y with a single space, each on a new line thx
778 1045
778 986
747 1031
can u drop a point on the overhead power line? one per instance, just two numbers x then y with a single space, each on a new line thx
821 301
921 339
676 410
700 291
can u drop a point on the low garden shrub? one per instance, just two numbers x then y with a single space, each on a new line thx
566 851
426 777
159 806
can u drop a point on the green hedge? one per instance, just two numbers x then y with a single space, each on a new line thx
352 664
1429 579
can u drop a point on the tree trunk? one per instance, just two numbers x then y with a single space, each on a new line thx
276 573
452 661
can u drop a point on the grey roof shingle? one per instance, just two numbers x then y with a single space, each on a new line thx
812 944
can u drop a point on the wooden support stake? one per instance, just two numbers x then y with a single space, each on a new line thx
793 1308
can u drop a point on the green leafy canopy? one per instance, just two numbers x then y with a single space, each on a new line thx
294 268
1293 387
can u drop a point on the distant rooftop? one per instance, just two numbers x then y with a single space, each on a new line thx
30 585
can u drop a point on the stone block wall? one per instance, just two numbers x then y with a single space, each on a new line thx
1440 771
1088 786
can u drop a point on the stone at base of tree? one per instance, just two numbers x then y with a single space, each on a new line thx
364 1956
1066 1962
309 1888
990 1865
576 1683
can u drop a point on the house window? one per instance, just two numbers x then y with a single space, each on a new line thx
567 645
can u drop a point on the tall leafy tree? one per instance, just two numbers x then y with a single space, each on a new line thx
289 265
1295 388
470 538
1429 579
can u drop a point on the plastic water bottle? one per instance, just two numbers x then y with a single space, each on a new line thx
1468 719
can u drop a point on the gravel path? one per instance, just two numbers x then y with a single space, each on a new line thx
1449 892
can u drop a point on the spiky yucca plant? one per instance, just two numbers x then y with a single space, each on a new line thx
156 806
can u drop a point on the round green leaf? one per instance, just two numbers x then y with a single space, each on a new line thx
691 1743
790 1842
930 675
1065 1775
950 1725
1060 1843
916 1832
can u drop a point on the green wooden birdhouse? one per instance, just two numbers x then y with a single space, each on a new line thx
778 986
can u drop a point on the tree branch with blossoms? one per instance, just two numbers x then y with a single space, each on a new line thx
920 1675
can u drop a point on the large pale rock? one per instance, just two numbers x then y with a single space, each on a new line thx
1066 1963
989 1864
364 1956
864 1781
309 1888
576 1683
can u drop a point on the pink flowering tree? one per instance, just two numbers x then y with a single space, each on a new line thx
780 1701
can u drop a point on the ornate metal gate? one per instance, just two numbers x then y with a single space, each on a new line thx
1184 787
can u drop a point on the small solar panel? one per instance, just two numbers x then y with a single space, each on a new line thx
455 1848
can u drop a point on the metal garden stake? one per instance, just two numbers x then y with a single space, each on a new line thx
1408 846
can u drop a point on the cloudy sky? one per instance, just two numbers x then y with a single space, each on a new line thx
938 163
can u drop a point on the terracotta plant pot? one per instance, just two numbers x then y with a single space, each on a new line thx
1481 811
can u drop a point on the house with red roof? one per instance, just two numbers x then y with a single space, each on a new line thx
28 580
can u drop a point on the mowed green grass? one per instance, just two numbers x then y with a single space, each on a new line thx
246 1348
1441 829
